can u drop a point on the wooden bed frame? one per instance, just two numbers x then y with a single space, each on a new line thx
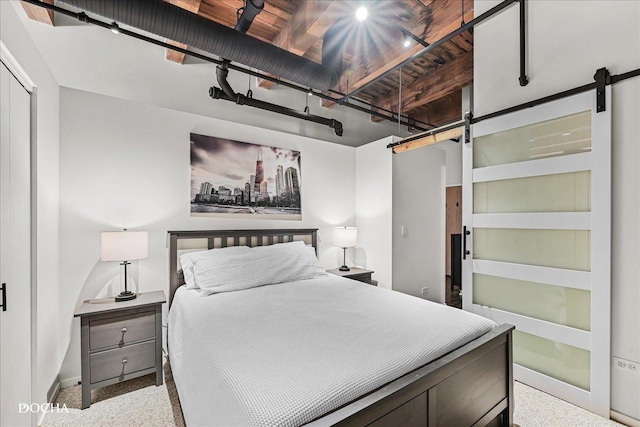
470 386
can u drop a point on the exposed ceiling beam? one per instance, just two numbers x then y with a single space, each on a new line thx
38 13
192 6
445 21
443 110
309 24
442 81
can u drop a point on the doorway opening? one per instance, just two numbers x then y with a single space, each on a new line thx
453 246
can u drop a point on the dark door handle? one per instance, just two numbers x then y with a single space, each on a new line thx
465 233
4 297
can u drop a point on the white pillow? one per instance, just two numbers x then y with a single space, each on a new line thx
264 265
187 260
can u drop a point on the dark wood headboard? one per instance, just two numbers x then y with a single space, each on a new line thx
210 239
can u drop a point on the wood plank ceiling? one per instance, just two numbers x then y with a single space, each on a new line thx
430 89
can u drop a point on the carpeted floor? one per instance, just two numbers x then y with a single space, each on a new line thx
140 403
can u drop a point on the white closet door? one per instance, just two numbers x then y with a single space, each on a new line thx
15 256
537 199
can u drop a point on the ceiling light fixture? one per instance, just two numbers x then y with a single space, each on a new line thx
361 13
406 42
310 92
114 28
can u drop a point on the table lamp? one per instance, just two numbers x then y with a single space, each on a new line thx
345 237
124 246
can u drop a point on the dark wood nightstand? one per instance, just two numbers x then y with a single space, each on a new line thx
359 274
120 340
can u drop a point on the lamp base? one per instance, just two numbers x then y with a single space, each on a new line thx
126 296
344 268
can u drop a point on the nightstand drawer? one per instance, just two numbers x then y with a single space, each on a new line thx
121 361
365 277
119 331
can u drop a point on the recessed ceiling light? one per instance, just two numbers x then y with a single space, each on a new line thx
361 13
406 42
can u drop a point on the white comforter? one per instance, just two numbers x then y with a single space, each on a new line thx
282 355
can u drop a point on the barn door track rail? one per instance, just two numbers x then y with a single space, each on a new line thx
602 79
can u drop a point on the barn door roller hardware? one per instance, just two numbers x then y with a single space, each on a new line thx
468 117
602 78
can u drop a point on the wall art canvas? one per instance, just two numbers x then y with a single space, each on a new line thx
238 179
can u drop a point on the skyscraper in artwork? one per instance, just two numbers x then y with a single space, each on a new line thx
291 180
246 199
205 188
252 194
292 186
279 181
259 171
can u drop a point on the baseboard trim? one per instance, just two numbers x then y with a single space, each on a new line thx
624 419
54 391
70 382
52 396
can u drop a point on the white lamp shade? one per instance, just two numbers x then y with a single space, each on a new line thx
124 245
345 237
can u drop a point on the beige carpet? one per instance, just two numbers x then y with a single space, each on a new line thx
140 403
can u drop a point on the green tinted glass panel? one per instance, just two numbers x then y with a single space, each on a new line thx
561 361
567 192
564 306
569 249
552 138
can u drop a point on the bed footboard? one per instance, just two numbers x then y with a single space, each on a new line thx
471 386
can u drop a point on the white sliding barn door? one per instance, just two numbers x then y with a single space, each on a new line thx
537 200
15 251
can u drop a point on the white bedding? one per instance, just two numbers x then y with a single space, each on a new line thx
282 355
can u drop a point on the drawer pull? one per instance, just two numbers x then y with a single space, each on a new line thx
124 361
124 330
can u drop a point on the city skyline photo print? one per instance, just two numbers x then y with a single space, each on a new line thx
239 179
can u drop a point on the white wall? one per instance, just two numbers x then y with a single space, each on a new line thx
126 165
453 152
93 59
19 43
374 208
568 41
419 178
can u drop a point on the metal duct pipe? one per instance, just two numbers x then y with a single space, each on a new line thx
177 24
217 93
251 9
222 71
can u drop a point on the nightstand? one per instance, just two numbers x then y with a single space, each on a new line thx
120 340
359 274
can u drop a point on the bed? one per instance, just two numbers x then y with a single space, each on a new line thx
329 351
